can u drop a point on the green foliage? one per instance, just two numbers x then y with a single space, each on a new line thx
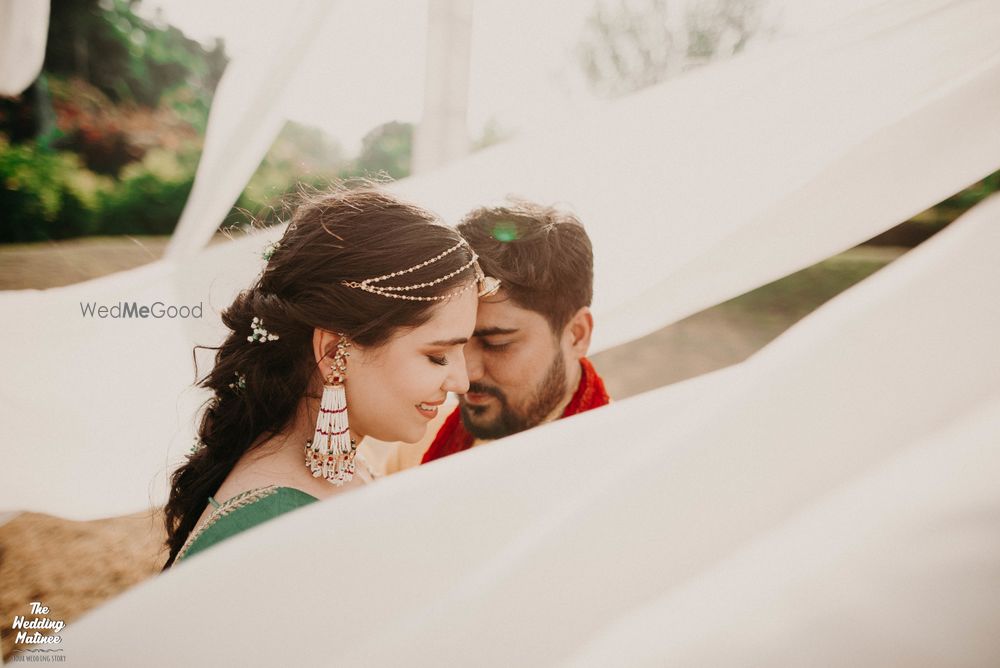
108 136
386 149
720 26
975 193
119 96
628 47
300 156
493 133
106 142
633 44
50 195
126 64
303 157
43 195
149 197
127 57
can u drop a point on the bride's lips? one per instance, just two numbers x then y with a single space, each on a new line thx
427 409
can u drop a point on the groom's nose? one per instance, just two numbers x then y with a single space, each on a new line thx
474 360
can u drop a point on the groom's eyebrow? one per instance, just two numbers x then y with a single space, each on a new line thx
450 342
494 331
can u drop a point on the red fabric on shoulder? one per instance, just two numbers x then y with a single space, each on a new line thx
452 437
590 393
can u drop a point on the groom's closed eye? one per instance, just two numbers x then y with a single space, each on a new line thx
494 332
494 339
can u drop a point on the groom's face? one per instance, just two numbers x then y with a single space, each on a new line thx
517 370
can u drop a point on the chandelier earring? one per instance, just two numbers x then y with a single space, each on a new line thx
331 452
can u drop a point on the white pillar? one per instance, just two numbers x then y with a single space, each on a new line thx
442 135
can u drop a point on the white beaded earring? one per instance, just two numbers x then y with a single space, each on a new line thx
331 452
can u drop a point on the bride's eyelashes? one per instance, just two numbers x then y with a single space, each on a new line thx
441 361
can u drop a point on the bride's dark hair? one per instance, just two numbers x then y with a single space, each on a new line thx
334 237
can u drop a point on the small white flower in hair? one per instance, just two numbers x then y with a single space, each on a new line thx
259 333
241 382
269 250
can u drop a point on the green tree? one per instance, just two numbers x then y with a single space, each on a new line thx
300 155
107 139
493 133
637 43
128 59
42 195
388 148
126 56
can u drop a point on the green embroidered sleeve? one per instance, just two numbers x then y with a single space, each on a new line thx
242 512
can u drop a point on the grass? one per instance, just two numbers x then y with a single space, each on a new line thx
51 264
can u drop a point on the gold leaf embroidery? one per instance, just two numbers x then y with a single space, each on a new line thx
239 501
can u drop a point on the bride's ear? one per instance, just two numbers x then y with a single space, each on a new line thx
324 345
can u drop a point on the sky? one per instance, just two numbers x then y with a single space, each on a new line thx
369 67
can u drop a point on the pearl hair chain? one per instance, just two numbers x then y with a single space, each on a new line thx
487 285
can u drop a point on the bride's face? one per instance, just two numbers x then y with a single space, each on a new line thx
396 389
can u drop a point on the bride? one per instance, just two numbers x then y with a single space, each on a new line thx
355 328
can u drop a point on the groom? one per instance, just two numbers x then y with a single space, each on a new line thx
527 357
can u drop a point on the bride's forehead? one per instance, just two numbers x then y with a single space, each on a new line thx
449 319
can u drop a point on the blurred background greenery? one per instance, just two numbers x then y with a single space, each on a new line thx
107 140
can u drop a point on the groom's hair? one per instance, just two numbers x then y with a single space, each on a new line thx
541 254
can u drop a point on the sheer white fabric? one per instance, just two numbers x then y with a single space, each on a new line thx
894 568
248 111
728 178
693 192
24 28
831 500
844 476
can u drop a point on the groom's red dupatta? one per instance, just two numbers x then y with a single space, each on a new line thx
452 437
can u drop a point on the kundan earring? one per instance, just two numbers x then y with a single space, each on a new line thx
331 452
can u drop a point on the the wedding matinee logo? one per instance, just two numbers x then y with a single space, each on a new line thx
136 310
28 634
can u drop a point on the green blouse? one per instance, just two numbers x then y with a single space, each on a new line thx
243 511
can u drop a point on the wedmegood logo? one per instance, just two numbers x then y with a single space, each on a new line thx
136 310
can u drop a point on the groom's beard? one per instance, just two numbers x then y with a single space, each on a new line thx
546 396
